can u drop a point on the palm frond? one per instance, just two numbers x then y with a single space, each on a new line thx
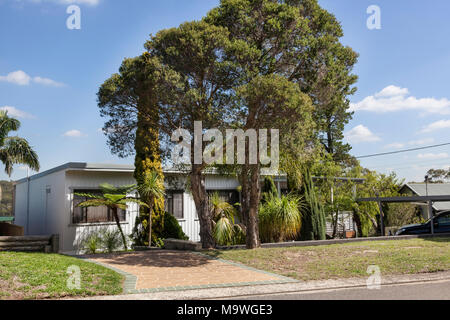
93 203
151 186
223 231
133 200
15 150
89 195
114 197
221 208
110 189
7 124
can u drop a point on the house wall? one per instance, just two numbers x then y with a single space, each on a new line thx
37 203
75 233
190 223
51 196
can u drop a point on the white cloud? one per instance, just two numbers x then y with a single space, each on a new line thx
360 134
47 82
23 79
395 145
393 98
433 156
421 142
14 112
17 77
74 134
438 125
392 91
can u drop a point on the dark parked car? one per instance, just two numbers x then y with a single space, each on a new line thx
441 225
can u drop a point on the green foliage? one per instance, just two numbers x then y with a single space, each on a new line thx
247 64
225 230
110 240
268 189
400 214
15 150
280 218
114 198
92 243
438 175
164 226
172 229
313 222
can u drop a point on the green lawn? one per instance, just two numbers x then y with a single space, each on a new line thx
41 276
348 260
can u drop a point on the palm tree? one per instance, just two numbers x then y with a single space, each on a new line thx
15 150
225 230
151 188
114 198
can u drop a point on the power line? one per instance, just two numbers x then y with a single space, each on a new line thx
402 151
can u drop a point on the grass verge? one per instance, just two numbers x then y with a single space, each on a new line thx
43 276
347 260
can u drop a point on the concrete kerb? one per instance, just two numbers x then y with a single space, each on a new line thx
335 241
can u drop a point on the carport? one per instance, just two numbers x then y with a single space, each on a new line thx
412 199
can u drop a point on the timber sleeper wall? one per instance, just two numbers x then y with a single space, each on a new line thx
47 244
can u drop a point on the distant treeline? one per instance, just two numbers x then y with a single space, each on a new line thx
6 198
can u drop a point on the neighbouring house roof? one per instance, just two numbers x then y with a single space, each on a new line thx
6 219
434 189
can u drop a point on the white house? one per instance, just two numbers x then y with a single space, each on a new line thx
45 203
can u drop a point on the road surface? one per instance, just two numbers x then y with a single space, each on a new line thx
439 290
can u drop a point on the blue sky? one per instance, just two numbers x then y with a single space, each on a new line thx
49 75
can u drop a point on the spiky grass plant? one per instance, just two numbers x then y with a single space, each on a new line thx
280 218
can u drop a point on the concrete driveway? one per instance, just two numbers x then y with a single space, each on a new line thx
162 270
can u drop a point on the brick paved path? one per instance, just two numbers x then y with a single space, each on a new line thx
181 270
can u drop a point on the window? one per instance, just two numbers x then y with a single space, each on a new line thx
230 196
92 214
174 203
444 220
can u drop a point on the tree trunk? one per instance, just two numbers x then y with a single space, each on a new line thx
116 217
202 206
251 192
357 220
335 223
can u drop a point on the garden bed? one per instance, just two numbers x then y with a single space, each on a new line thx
347 260
44 276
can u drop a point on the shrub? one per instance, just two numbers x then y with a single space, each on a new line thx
280 218
225 231
172 229
164 226
91 243
111 240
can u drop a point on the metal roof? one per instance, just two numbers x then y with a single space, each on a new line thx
6 219
434 189
84 166
424 199
81 166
